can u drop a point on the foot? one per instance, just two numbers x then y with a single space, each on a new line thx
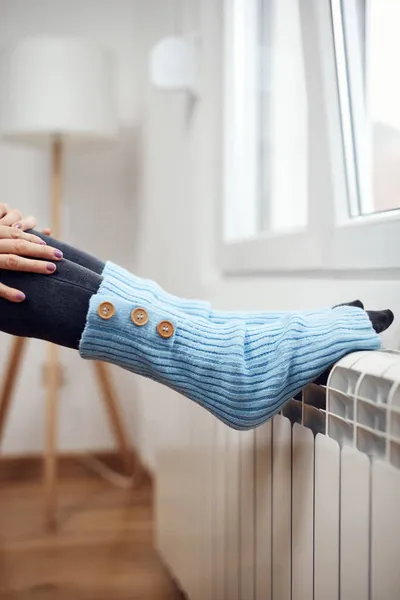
381 319
242 374
355 303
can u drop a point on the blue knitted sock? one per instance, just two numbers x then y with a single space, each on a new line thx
122 283
241 373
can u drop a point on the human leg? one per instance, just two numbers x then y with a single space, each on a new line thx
72 254
121 282
124 284
242 374
55 307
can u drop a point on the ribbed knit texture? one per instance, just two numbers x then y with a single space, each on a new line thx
124 284
241 373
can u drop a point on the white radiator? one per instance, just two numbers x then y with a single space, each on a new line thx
305 508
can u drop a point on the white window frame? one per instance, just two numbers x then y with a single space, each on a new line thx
331 240
255 251
365 242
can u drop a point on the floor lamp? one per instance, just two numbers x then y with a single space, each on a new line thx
55 90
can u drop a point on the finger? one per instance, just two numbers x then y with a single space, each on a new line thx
26 223
22 247
11 294
46 231
30 237
12 217
3 209
15 234
11 262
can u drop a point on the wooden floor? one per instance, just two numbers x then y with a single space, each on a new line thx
103 549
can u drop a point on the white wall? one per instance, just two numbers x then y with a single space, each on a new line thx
99 201
180 206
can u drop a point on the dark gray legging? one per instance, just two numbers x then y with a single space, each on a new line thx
56 305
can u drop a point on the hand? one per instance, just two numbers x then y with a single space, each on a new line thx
13 217
18 252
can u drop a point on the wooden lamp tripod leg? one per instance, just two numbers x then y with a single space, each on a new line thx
114 416
53 367
53 378
10 378
52 384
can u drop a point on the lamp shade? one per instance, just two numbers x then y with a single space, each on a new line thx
56 86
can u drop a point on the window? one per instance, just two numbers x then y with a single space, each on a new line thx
311 135
265 184
365 42
367 49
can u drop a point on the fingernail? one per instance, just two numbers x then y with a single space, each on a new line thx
58 254
50 267
20 297
43 243
17 225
